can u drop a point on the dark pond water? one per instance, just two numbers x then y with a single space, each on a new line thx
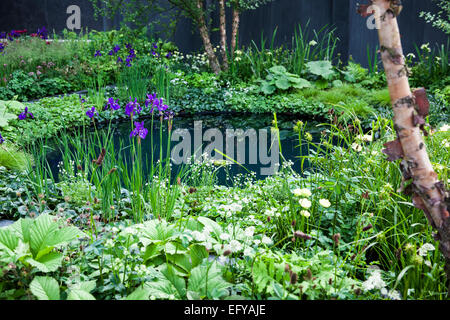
245 139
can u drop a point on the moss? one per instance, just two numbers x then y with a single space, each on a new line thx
379 98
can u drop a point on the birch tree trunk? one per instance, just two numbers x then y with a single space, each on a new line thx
204 34
410 109
235 27
223 34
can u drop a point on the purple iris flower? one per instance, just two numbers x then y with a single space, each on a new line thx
168 55
139 130
128 46
132 107
2 35
114 105
155 46
110 53
119 60
116 48
168 115
25 114
154 53
149 100
91 112
82 99
97 53
1 139
158 103
43 33
2 47
128 61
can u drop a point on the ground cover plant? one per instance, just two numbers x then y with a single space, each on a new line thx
114 219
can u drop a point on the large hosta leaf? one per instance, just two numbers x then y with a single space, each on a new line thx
45 288
282 83
321 68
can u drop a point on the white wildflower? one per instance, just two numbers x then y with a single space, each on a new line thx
249 252
235 246
305 213
374 281
305 203
425 248
198 236
249 231
302 192
325 203
224 236
266 240
357 147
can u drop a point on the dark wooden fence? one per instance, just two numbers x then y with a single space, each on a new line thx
285 15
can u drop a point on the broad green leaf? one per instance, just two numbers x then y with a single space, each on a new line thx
212 225
45 235
267 88
198 253
48 263
162 288
278 70
156 230
45 288
181 261
87 286
282 83
321 68
177 281
141 293
8 239
77 294
302 83
210 277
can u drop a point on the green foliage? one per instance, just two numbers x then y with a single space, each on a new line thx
432 69
31 242
279 78
441 20
12 158
45 288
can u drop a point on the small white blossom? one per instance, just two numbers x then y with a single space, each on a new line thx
302 192
305 203
266 240
235 246
425 248
305 213
249 231
224 236
325 203
374 281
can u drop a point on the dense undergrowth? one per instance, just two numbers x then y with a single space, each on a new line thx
102 230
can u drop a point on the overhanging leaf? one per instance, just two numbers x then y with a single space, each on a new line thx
45 288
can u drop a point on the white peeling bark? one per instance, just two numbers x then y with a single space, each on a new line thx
409 112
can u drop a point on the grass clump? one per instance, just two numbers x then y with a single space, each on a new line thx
12 158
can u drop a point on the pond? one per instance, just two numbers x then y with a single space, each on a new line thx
246 142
